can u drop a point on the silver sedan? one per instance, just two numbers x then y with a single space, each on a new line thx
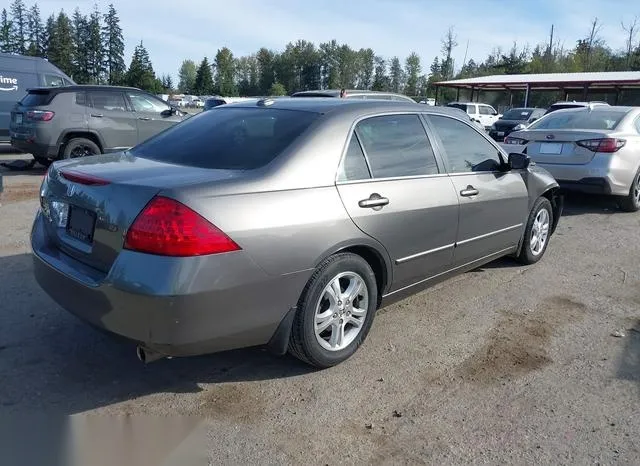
284 223
595 149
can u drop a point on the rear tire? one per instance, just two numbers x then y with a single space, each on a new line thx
631 203
537 233
335 311
80 147
45 162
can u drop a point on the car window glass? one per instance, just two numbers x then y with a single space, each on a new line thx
581 119
396 145
146 103
467 150
353 165
112 101
471 109
51 80
81 99
638 124
484 110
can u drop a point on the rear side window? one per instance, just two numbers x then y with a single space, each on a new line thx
36 99
397 145
110 101
353 166
81 99
580 119
51 80
485 110
228 138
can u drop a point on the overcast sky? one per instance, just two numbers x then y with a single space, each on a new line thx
175 30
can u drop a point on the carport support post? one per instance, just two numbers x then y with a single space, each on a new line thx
457 94
526 95
436 96
585 92
617 96
472 91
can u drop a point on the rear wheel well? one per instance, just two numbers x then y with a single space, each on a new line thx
79 134
556 200
377 264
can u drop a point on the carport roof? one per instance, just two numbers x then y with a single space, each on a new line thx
609 79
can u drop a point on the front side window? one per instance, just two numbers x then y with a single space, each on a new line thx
397 145
146 103
111 101
486 110
51 80
353 166
467 150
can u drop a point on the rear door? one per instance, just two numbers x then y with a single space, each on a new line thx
487 115
394 190
111 119
493 203
152 114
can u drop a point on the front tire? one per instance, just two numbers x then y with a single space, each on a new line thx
335 311
80 147
631 203
537 233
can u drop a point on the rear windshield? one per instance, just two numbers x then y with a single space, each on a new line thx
228 138
517 114
465 108
553 108
35 99
580 119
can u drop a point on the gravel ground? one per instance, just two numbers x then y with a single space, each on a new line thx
505 364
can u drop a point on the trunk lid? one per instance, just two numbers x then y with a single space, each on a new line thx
90 203
559 146
35 100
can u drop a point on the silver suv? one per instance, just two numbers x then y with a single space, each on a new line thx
77 121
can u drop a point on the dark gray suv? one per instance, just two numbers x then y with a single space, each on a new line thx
76 121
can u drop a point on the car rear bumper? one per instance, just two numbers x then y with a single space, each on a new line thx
242 307
37 149
592 178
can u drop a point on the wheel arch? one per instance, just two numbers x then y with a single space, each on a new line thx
70 134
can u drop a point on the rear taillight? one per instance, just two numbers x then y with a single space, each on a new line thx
82 178
607 145
40 115
167 227
515 141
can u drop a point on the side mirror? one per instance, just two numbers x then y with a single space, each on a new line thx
495 113
518 161
519 127
533 119
168 112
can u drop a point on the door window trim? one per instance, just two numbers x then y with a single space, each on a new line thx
439 162
442 150
90 93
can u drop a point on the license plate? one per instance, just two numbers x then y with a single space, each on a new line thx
18 118
500 133
81 224
551 148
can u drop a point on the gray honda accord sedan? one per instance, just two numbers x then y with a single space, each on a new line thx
284 223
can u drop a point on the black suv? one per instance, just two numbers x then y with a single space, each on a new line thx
514 118
76 121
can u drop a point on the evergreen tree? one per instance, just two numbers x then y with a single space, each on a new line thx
187 76
380 78
60 43
94 47
49 29
277 89
397 75
113 51
266 70
367 64
36 32
204 79
169 83
6 44
140 73
225 71
81 72
20 26
412 70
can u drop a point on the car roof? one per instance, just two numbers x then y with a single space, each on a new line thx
585 104
345 106
83 87
468 103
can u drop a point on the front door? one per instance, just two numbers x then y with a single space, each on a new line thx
109 117
392 187
152 114
493 202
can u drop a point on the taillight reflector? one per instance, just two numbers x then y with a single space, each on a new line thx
607 145
83 178
40 115
515 141
167 227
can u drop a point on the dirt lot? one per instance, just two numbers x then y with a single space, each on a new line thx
505 364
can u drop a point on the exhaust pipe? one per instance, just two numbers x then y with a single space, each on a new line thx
146 355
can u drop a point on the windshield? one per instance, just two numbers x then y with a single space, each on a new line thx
580 119
464 107
228 138
517 114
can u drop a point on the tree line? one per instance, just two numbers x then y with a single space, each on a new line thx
90 48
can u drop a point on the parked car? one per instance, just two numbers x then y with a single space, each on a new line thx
594 149
286 222
213 102
355 94
516 118
78 121
564 105
17 74
484 114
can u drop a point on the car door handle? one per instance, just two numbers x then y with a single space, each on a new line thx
97 115
469 191
144 118
375 202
